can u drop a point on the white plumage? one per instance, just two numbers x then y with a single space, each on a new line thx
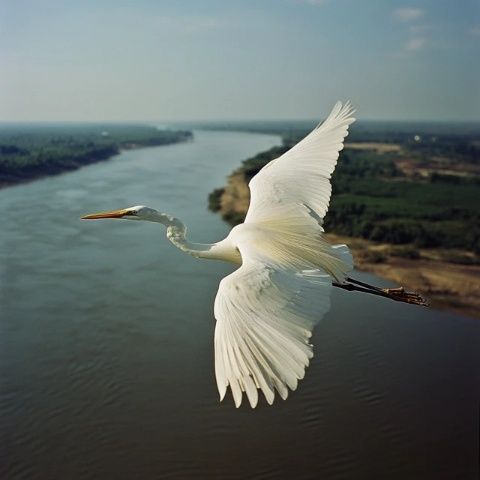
265 314
267 308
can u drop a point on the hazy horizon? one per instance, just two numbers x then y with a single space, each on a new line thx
194 122
159 61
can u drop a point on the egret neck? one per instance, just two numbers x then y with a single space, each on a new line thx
176 233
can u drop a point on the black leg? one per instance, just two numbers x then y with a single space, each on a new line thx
398 294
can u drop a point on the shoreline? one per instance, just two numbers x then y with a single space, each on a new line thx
71 162
446 285
448 278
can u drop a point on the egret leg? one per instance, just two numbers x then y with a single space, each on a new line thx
398 294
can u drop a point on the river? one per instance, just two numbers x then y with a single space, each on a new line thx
106 347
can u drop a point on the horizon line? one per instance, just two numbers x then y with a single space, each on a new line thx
246 120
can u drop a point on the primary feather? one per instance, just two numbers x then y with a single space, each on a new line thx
267 308
265 313
301 176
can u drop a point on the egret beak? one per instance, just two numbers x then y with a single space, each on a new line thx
112 214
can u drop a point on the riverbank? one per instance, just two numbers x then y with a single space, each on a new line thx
107 346
447 285
29 152
447 274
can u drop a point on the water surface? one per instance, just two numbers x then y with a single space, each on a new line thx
106 347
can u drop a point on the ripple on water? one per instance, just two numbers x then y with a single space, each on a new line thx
106 358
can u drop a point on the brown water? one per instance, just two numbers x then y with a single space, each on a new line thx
106 348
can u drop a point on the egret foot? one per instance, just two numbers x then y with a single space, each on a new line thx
400 294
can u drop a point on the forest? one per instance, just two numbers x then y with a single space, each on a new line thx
29 151
418 187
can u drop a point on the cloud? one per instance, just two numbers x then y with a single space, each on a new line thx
415 31
410 47
408 14
315 3
190 24
198 24
475 31
419 29
414 44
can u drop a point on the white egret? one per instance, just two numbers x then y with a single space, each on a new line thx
267 308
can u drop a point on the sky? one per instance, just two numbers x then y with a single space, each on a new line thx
117 60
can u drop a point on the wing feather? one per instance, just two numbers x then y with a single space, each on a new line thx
267 308
265 314
301 176
291 194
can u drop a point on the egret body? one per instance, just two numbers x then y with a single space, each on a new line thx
267 308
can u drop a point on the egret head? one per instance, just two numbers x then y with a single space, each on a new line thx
139 212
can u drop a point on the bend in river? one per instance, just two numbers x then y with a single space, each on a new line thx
106 347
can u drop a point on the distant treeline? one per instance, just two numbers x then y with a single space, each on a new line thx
32 151
373 199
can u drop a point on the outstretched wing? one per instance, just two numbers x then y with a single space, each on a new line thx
267 308
265 314
297 184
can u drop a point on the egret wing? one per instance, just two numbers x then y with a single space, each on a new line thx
265 314
297 184
290 197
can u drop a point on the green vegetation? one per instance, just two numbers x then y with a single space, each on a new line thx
32 151
375 202
214 199
432 202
